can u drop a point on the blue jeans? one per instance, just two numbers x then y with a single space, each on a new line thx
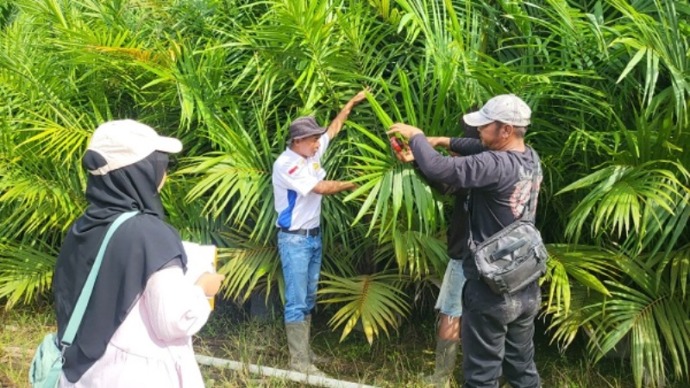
300 257
497 333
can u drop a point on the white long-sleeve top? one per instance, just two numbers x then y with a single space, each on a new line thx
153 345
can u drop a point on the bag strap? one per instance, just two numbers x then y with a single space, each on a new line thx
531 203
80 307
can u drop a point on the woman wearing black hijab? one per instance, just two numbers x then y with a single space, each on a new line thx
138 324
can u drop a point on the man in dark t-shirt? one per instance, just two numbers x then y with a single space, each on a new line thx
497 330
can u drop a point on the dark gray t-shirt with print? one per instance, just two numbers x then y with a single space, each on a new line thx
500 183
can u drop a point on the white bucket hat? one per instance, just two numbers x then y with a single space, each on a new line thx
506 108
125 142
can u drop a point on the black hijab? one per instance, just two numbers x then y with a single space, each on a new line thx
140 247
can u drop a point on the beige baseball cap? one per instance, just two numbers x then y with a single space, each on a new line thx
506 108
125 142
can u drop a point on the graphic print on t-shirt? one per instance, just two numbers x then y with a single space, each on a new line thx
521 192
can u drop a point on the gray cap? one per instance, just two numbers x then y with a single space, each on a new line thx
304 127
506 108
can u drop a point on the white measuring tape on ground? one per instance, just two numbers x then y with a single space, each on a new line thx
318 381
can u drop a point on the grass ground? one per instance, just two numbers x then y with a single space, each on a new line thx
397 361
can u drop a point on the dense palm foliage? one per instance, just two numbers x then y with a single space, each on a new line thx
608 80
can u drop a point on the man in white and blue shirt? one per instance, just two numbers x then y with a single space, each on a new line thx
298 186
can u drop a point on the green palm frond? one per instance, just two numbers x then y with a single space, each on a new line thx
620 195
302 44
188 216
387 10
661 39
337 228
654 318
247 265
663 230
25 272
565 328
227 179
236 183
575 278
389 186
375 300
37 200
417 254
587 265
368 42
63 140
673 267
